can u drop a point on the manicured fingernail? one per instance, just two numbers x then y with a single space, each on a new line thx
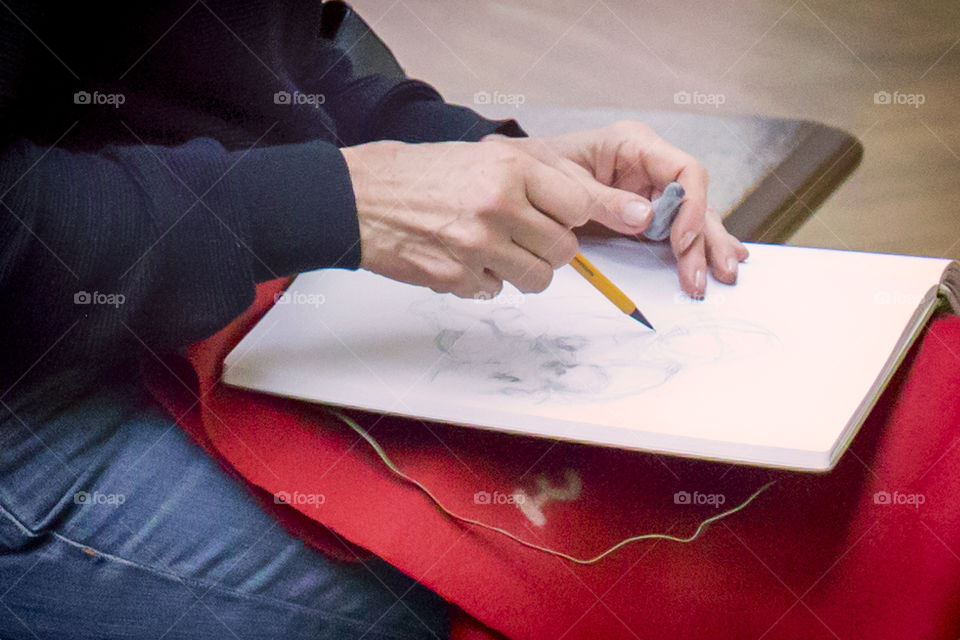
636 213
700 281
687 240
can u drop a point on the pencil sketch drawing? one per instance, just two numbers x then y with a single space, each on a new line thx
582 357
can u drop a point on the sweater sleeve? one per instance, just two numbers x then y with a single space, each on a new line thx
323 58
155 245
413 111
371 96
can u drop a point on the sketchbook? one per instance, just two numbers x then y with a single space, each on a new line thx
779 370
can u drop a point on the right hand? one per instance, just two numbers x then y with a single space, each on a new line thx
462 217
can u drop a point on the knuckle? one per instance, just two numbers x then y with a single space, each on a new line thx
492 290
474 242
632 128
562 250
503 152
568 247
463 241
696 170
539 278
584 213
494 200
451 277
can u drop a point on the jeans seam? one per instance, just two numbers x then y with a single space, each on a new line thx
24 529
366 627
333 617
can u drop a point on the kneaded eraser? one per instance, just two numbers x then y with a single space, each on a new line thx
665 210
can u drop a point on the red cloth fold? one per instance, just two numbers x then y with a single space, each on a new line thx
870 550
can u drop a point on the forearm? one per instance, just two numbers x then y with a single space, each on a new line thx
171 240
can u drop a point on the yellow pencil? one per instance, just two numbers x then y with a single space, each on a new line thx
607 288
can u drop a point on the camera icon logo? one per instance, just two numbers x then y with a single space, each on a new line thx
481 497
681 497
281 97
882 97
81 297
281 497
481 97
81 497
81 97
681 97
881 497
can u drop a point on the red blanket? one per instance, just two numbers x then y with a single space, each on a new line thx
870 550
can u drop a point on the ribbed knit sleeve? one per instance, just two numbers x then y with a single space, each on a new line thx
159 245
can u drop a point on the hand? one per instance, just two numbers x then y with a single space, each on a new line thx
463 217
629 156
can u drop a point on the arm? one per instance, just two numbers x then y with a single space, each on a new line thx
127 222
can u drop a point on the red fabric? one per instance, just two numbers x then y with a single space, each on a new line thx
816 556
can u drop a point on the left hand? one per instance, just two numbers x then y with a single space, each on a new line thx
627 159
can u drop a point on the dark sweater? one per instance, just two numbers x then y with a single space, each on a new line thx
152 161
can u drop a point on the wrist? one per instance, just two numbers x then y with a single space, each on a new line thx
371 168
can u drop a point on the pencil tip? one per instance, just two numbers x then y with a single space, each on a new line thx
636 315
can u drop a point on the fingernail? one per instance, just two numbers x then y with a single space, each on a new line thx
636 213
687 240
731 264
700 281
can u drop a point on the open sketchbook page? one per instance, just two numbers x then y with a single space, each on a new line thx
769 371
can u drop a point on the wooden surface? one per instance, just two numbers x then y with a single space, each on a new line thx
800 59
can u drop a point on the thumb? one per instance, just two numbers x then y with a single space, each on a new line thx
623 211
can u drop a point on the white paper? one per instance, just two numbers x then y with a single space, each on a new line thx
769 371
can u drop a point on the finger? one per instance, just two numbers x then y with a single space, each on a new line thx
477 284
556 194
544 238
621 210
692 269
723 250
742 252
524 270
450 273
690 221
664 163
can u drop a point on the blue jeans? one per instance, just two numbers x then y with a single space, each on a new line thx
114 524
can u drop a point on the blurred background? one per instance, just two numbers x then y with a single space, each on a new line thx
804 59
